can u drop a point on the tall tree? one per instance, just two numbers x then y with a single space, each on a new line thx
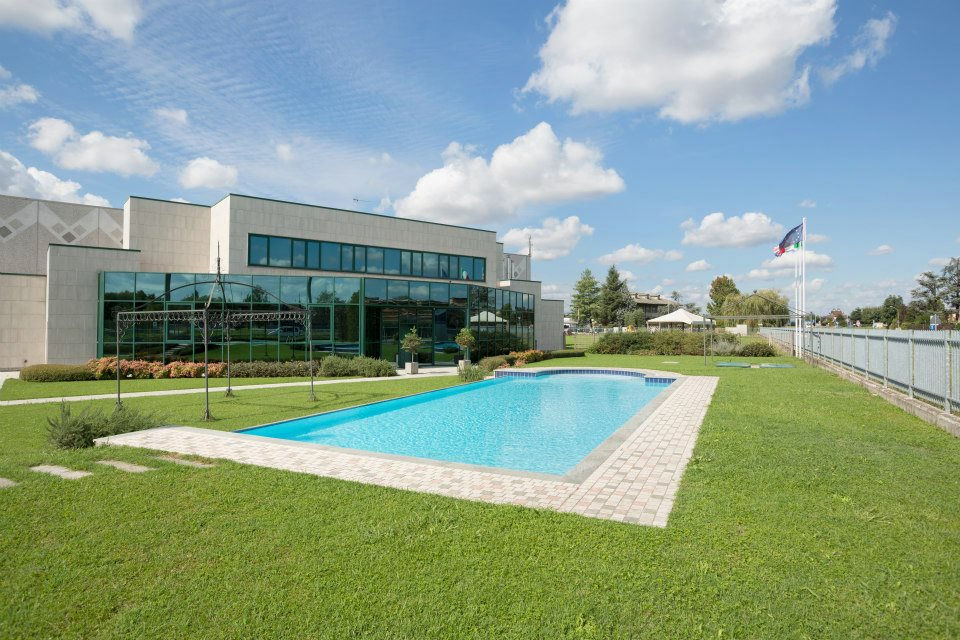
950 282
586 295
929 293
614 299
892 310
720 288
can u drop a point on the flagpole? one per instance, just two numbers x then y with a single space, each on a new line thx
803 282
796 305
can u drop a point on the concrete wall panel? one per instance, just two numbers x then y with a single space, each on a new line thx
171 236
22 320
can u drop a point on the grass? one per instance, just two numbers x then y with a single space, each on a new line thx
14 389
809 509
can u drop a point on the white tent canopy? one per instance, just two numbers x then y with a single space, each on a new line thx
681 318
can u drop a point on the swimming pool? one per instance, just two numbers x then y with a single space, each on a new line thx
546 423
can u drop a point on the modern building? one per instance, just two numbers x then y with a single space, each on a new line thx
653 305
66 269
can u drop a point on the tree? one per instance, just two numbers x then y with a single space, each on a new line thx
950 284
929 295
766 302
635 318
892 311
614 299
720 288
586 295
675 296
466 340
411 343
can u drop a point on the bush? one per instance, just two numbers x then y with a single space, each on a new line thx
472 373
70 430
529 356
622 343
757 350
565 353
373 368
289 369
490 363
337 367
724 349
55 373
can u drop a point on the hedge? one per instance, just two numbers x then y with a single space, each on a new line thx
664 343
56 373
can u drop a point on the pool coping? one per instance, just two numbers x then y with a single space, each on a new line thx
576 474
635 480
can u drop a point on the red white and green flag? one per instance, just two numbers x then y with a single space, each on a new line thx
790 241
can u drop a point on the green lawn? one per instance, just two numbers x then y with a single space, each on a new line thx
21 390
810 509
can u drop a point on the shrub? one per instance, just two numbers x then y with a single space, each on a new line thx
289 369
724 349
757 350
55 373
490 363
527 357
622 343
372 367
70 430
337 367
473 373
565 353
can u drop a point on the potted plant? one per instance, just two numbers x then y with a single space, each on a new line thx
466 341
411 343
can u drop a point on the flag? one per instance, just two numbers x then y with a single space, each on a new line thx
790 241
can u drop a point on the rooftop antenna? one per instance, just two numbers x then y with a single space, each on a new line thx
529 246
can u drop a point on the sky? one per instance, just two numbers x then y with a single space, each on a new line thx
677 140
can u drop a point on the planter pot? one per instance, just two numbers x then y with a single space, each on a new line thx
463 364
411 367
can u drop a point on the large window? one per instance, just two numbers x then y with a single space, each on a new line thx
275 251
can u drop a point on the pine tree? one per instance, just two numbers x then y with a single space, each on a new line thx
586 294
720 288
614 299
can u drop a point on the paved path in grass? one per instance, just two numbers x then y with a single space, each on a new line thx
431 372
637 482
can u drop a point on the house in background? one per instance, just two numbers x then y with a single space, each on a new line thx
653 305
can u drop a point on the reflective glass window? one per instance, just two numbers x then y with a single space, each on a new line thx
374 260
295 290
391 262
266 289
279 252
180 287
430 265
466 268
346 327
330 256
375 290
443 266
420 291
118 286
313 255
237 293
398 290
346 257
440 293
321 290
258 250
458 295
360 259
151 285
405 263
416 263
347 290
479 269
299 254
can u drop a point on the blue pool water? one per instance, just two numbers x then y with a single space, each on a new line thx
545 424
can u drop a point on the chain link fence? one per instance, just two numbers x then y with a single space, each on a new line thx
922 364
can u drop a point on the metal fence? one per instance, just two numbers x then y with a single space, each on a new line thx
922 364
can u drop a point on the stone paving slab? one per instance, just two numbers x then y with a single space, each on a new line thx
424 373
637 483
129 467
6 483
61 472
187 463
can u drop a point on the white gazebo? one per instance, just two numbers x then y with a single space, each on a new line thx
680 319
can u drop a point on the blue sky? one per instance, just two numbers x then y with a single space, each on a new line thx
614 135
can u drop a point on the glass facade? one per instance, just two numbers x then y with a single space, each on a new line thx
349 315
276 251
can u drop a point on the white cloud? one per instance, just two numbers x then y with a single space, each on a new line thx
790 258
172 116
699 265
807 203
183 200
939 262
535 168
692 60
554 239
4 74
557 292
817 238
881 250
747 230
117 18
15 94
30 182
640 255
627 275
284 152
815 285
657 290
207 173
871 45
93 151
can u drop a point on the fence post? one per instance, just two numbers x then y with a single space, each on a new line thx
886 359
947 382
911 342
866 346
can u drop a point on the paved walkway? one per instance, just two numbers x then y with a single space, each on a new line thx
431 372
636 483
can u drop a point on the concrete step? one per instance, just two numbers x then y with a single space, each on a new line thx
61 472
125 466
